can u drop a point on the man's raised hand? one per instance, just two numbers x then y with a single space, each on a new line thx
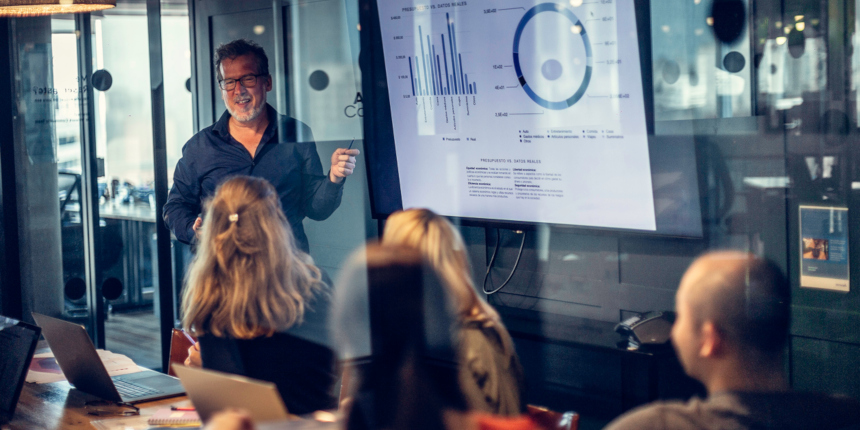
342 164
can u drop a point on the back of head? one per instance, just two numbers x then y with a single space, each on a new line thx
247 278
238 48
412 376
442 246
746 297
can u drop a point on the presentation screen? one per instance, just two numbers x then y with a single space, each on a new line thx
518 110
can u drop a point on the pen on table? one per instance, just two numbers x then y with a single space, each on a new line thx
350 144
182 408
190 339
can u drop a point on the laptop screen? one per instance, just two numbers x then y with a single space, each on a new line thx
18 342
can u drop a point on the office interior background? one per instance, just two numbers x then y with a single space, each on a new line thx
95 109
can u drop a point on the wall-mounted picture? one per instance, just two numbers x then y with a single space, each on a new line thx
824 248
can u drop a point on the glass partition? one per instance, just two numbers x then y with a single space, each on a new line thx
176 53
754 108
754 119
47 163
49 95
322 80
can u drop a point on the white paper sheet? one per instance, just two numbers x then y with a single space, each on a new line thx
44 368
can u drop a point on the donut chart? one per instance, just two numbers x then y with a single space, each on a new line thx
567 13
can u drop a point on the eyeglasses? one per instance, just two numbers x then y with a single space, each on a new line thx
248 81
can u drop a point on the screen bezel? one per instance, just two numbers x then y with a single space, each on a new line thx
380 147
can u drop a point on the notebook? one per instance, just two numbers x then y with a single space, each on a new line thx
171 418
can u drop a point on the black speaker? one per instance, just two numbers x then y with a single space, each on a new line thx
650 328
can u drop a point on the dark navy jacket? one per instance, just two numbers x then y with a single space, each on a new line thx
293 168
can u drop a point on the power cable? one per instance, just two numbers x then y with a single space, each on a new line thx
493 259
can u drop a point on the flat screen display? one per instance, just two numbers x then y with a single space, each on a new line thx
518 111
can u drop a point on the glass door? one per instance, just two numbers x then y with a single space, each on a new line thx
47 166
85 175
127 209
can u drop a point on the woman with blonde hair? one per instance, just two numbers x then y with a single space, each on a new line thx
490 372
258 304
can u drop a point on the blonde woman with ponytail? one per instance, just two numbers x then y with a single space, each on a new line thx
258 304
490 372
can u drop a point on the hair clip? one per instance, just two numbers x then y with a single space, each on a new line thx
233 217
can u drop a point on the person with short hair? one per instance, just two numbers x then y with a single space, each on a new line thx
389 296
257 304
251 138
733 315
490 373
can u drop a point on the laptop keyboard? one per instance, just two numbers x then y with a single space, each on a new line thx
131 390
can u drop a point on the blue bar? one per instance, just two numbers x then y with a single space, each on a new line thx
433 65
468 86
445 58
411 77
439 74
430 83
451 46
456 56
438 83
424 62
418 76
432 79
430 62
461 70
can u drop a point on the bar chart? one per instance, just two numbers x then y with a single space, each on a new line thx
539 64
439 72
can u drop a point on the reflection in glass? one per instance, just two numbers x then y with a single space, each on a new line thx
695 75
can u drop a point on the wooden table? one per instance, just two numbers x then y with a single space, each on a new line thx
59 406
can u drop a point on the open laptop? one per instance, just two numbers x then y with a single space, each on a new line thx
18 342
212 391
82 366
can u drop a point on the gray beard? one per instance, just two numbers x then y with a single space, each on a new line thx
250 116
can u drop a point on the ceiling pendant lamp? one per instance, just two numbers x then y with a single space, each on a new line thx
23 8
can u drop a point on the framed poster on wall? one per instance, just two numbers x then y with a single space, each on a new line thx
824 248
